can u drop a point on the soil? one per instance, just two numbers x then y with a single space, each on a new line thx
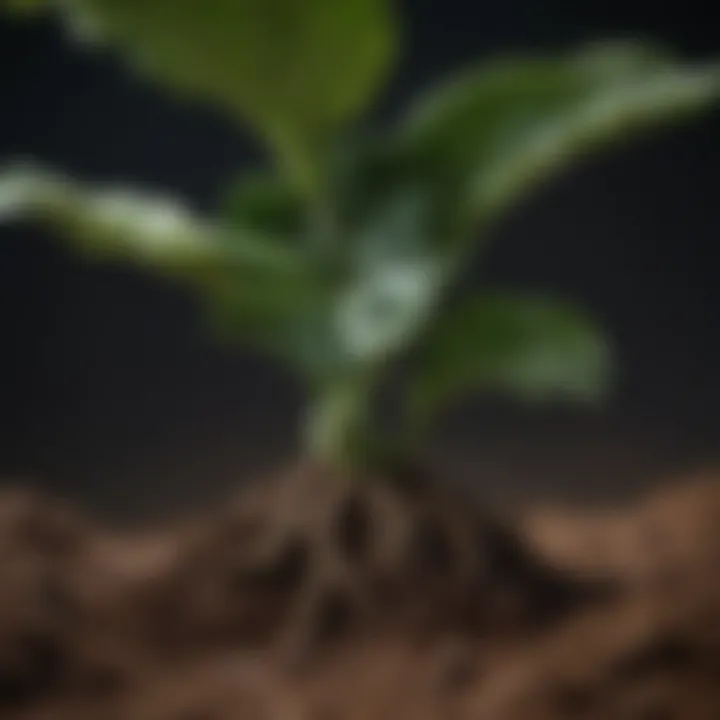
315 596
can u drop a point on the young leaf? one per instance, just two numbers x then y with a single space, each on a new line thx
532 348
265 203
497 131
396 276
284 315
293 68
122 225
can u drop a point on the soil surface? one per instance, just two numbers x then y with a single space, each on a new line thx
320 597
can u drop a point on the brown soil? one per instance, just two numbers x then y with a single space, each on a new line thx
318 597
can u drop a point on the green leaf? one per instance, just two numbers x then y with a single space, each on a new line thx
264 291
496 132
119 224
283 315
265 203
531 348
293 68
395 279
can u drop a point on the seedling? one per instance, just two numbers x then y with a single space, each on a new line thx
342 258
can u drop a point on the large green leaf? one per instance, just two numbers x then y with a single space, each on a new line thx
532 348
495 132
294 68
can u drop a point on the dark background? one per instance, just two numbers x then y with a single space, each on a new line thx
111 393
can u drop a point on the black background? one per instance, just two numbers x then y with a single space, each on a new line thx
111 393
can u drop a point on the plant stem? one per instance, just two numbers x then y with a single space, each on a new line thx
336 427
303 161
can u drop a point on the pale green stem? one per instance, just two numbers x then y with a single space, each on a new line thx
336 427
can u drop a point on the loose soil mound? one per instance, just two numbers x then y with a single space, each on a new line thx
318 597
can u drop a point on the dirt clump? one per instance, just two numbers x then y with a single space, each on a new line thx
672 533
